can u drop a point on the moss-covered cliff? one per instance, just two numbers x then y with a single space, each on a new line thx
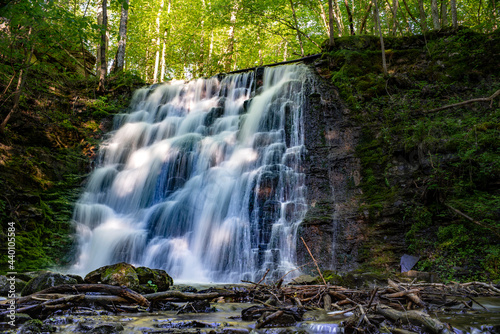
429 179
45 154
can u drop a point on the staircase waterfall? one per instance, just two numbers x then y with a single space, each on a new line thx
202 179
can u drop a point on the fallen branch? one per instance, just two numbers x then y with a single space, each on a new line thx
180 296
481 99
314 260
120 291
262 322
32 308
415 317
470 218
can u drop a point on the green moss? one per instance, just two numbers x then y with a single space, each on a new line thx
449 157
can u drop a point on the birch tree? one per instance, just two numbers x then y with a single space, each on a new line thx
104 28
122 41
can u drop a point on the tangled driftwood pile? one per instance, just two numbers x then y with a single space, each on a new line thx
403 306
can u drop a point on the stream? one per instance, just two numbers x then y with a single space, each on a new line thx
226 319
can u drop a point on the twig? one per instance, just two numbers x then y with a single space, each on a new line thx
314 260
371 298
282 277
263 277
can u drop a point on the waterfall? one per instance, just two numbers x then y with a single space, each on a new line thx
201 179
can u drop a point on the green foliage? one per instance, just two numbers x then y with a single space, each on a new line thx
450 157
154 286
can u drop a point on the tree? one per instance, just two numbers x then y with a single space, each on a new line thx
377 17
158 39
444 14
23 72
330 22
435 14
454 20
122 41
38 36
421 11
349 16
103 69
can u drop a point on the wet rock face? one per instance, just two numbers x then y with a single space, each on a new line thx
141 279
46 280
330 228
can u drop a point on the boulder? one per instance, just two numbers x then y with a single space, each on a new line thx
5 285
35 326
153 280
119 274
46 280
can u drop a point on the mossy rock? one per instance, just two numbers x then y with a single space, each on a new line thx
119 274
29 275
35 326
153 280
5 285
46 280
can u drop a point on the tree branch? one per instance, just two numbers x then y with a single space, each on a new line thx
481 99
471 219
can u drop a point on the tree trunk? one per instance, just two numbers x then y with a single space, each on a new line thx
158 39
23 73
122 32
102 77
377 16
163 51
423 19
349 16
368 11
299 37
228 57
323 16
444 14
338 18
454 19
164 47
494 14
435 14
330 23
395 5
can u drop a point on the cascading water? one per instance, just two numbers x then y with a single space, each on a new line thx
201 179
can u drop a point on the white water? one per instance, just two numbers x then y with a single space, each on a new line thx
208 194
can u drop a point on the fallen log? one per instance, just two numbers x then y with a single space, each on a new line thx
414 317
120 291
180 296
264 321
36 307
400 294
